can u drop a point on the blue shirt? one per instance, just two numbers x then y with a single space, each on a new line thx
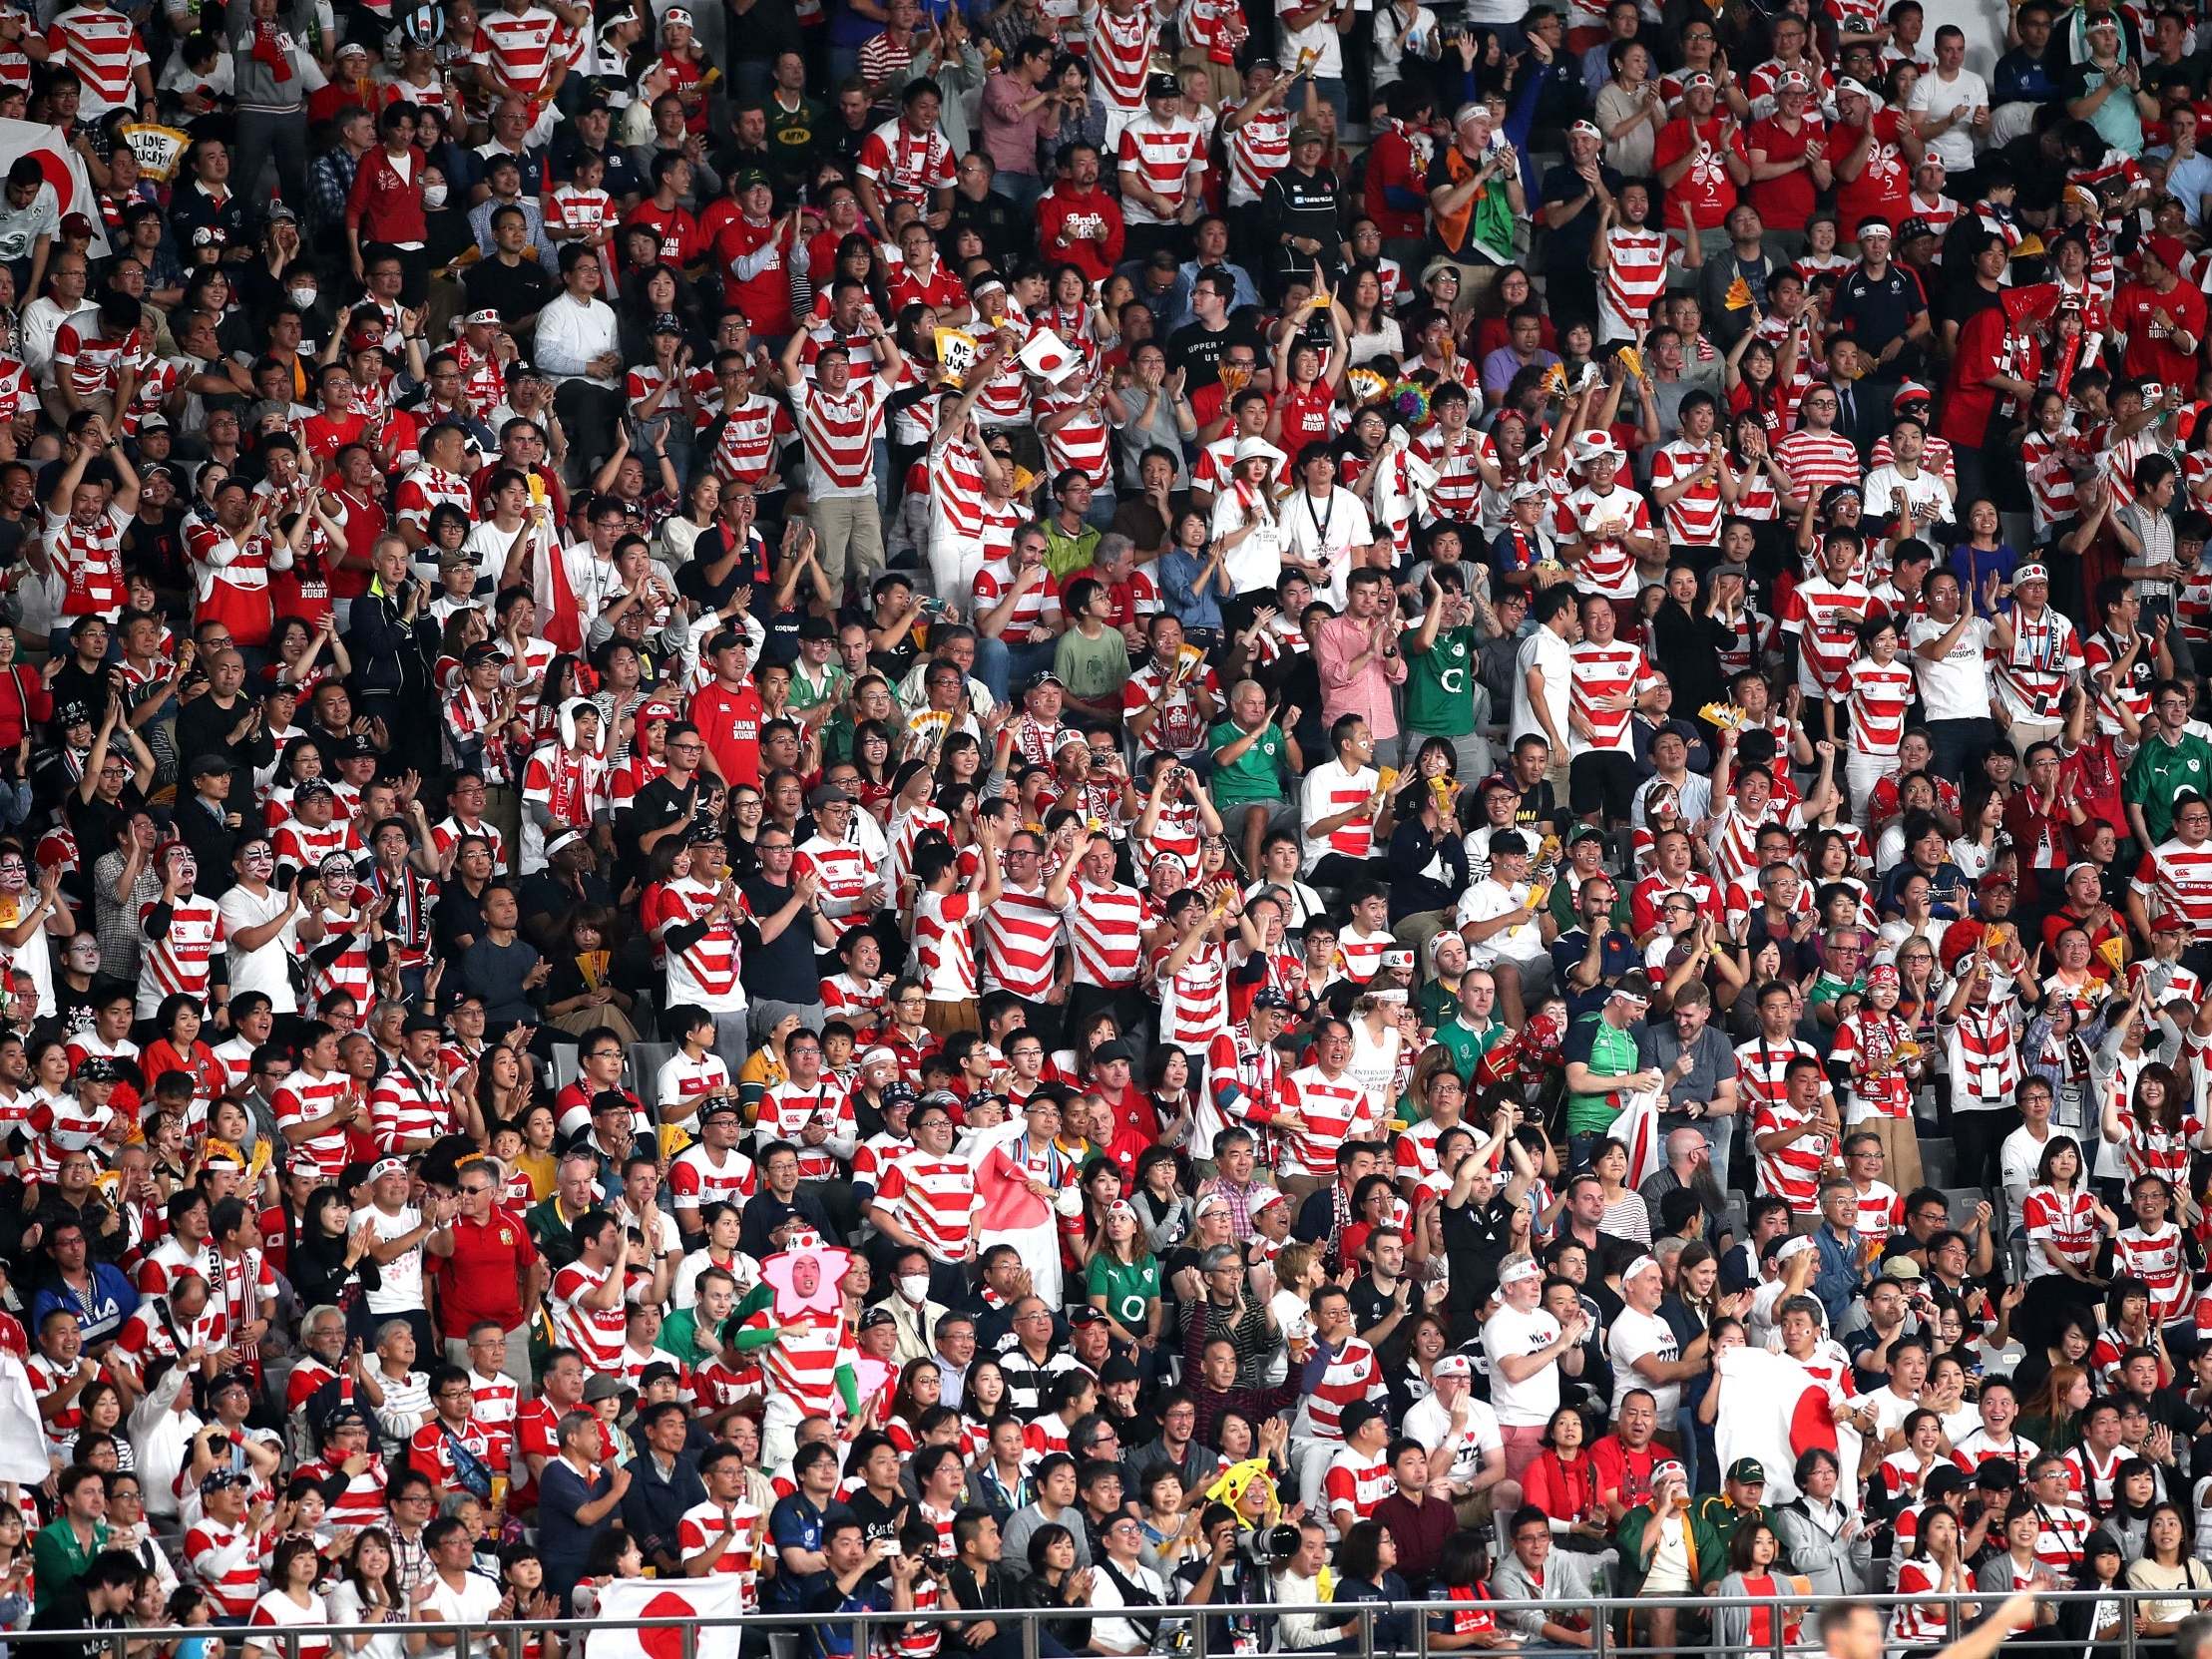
100 1311
1194 608
794 1523
830 1638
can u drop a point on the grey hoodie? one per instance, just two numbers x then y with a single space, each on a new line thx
258 87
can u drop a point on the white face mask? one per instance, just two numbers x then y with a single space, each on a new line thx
914 1287
303 297
433 195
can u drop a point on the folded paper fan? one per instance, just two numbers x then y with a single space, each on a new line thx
1538 893
1723 716
1554 379
1383 779
2113 952
1633 360
1366 384
1738 296
2031 248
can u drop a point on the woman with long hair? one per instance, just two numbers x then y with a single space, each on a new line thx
366 1592
2050 1416
1935 1567
1123 1280
2095 1627
1369 331
920 1387
2167 1565
1773 1623
2155 1128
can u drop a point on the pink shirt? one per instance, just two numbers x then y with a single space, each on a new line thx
1009 138
1364 690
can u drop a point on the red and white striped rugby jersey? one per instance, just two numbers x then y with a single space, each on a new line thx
595 1333
934 1198
944 945
745 449
702 1526
1329 789
839 435
1693 516
1825 616
1457 493
1634 276
1645 898
695 1180
705 971
2160 1262
104 48
429 487
1106 924
1164 156
1020 944
179 960
1864 1037
1608 568
2051 486
1794 1173
789 1108
301 1099
1257 150
956 493
348 973
519 49
1334 1110
1815 460
2178 877
1760 1065
1083 442
404 1107
1039 604
60 1126
2061 1226
300 846
1353 1484
2100 655
844 870
2044 659
801 1368
90 560
1879 695
1355 1373
88 360
1602 671
1121 53
905 166
1194 1003
226 1561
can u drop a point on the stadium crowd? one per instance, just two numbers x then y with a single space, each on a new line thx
1093 806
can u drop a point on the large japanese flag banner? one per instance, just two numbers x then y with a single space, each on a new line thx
64 169
625 1601
1772 1408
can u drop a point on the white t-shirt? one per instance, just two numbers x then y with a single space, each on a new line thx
1430 1422
1890 493
1957 686
476 1601
1547 650
401 1289
1935 97
1635 1336
1487 898
1123 1635
1320 37
1530 1402
266 970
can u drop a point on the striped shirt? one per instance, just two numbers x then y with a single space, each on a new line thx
1021 945
595 1333
839 434
104 49
1165 156
518 48
1106 924
934 1199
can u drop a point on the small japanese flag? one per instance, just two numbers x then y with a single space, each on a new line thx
1047 358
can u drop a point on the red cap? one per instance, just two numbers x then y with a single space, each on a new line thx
2167 250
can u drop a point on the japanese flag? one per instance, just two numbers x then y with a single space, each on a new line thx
1047 356
64 169
1637 1129
623 1602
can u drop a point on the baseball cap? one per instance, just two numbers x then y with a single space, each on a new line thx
1748 1472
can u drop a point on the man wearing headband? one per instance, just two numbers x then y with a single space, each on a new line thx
1528 1349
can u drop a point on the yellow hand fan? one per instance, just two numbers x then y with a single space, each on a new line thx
1738 296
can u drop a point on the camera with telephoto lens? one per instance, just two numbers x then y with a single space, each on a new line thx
1271 1546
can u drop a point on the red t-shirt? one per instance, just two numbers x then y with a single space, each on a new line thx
2150 350
1707 186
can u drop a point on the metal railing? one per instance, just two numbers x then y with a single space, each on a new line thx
790 1631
